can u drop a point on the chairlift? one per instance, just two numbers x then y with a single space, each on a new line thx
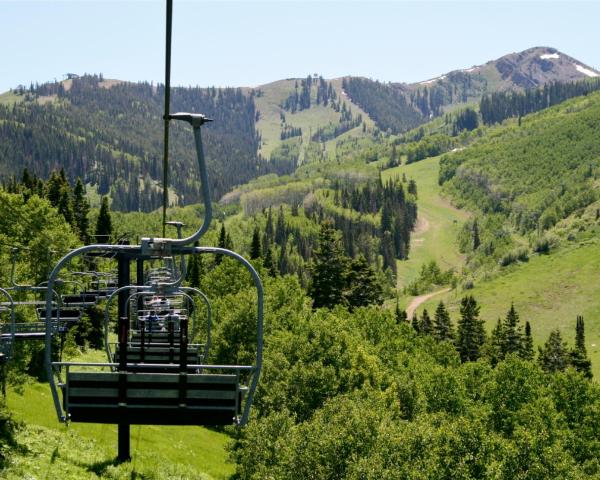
134 392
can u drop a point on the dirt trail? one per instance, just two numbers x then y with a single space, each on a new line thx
421 226
414 304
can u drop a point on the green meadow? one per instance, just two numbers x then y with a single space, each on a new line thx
51 450
437 225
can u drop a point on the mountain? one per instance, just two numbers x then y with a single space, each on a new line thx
530 68
434 97
109 132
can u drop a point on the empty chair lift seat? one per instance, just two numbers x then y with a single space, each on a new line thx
161 353
152 398
81 300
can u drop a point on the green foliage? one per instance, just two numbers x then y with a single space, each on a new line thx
430 146
442 326
470 335
38 229
385 104
466 119
502 105
338 279
103 230
107 136
7 435
354 395
534 175
430 277
553 357
329 270
520 254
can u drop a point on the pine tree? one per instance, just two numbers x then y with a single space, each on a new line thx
65 206
415 323
195 270
362 287
104 223
280 234
554 357
512 336
222 243
400 315
329 269
475 232
53 187
470 331
269 233
495 344
426 325
81 208
255 249
283 261
442 326
387 251
269 263
527 344
578 356
580 335
412 187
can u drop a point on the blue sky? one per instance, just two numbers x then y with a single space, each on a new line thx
248 43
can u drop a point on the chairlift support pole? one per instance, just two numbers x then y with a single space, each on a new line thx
166 115
124 279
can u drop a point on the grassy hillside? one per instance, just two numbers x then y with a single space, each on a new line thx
536 171
549 291
437 225
51 450
269 103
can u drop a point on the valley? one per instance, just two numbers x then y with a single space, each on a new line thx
360 204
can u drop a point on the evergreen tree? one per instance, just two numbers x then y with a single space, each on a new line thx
270 262
426 325
400 315
578 356
65 206
221 244
442 326
53 188
512 336
554 357
280 234
269 233
387 251
329 269
283 261
527 344
476 239
81 208
470 331
255 249
194 271
495 344
415 323
104 223
580 335
412 187
363 287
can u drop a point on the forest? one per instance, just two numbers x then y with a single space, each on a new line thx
104 136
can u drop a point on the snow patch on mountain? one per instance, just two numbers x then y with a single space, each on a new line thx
548 56
586 71
427 82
